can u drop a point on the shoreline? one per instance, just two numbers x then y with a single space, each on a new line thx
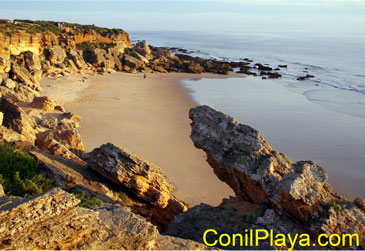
179 90
150 118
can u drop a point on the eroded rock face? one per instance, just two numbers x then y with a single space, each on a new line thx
125 168
44 103
53 221
140 177
70 138
247 163
56 54
4 63
17 120
143 48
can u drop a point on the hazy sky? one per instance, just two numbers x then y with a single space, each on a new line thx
199 15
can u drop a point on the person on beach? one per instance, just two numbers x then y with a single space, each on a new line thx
145 75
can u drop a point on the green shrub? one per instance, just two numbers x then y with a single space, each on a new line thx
87 201
19 173
123 196
85 46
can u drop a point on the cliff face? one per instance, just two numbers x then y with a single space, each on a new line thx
34 37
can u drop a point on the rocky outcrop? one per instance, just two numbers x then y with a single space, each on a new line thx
4 63
69 138
53 221
17 120
56 55
142 178
257 173
43 103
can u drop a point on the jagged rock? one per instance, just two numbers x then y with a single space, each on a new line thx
52 220
56 55
139 56
143 48
50 122
69 138
8 83
2 193
43 103
31 61
99 58
21 74
20 94
72 116
360 203
132 62
8 135
301 78
232 216
159 68
72 175
76 58
261 67
17 120
195 68
4 63
246 162
60 108
131 171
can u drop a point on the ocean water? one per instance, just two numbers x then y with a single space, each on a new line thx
337 60
322 119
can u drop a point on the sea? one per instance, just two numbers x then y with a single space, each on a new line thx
329 124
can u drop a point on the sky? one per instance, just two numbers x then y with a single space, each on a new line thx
346 16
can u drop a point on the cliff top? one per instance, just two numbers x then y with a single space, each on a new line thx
9 27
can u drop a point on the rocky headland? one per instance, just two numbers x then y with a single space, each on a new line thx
125 201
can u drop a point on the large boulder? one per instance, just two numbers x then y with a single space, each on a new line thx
70 139
76 58
143 178
22 75
56 55
32 62
17 120
132 62
43 103
20 93
100 58
4 63
194 67
143 48
52 220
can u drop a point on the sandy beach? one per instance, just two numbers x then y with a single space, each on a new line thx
149 117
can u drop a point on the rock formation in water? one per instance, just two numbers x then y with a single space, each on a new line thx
296 196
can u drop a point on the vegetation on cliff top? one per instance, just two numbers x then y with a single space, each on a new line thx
89 46
19 173
34 27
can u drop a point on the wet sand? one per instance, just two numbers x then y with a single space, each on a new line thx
149 117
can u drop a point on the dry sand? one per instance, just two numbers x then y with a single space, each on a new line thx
149 117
